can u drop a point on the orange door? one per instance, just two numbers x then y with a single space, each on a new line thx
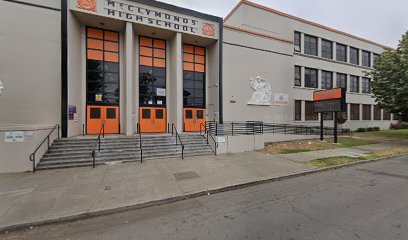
98 115
193 118
153 120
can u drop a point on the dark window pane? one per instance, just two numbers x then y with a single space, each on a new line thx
310 45
95 65
309 113
146 71
327 49
310 78
159 114
341 52
95 113
146 113
188 75
298 110
188 84
111 67
187 92
112 77
298 80
200 114
199 76
111 88
354 56
95 76
342 80
95 87
199 102
111 113
366 59
199 85
159 72
298 39
189 114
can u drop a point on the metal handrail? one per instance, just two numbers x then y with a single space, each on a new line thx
208 132
98 143
174 130
140 142
47 138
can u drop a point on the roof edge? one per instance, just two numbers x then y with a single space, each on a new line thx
249 3
258 34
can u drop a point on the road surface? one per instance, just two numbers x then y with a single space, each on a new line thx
368 201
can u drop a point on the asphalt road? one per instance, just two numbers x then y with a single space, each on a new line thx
368 201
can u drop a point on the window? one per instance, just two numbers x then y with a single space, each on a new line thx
342 80
311 78
310 45
327 80
377 113
95 113
366 59
310 115
375 58
193 76
298 80
387 115
102 67
366 112
354 84
354 112
298 110
341 52
298 40
328 116
366 85
354 56
152 72
327 49
111 113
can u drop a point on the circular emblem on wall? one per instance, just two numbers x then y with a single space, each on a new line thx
89 5
208 29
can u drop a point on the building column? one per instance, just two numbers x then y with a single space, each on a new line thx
175 83
348 54
129 79
319 47
302 43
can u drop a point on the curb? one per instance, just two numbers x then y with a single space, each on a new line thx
99 213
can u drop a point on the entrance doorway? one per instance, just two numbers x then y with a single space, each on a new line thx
99 115
153 120
193 118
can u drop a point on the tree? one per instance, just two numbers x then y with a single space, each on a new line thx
390 79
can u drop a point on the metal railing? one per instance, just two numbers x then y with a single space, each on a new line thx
258 128
47 138
98 143
140 142
208 133
174 131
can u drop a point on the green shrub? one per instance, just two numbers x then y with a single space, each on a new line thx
377 129
370 129
361 130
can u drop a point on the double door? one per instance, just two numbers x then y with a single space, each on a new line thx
153 120
193 119
102 115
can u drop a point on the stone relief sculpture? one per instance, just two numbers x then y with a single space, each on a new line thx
263 92
1 87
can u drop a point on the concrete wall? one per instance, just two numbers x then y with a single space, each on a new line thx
237 144
30 65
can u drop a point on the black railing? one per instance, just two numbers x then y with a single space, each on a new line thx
98 144
140 142
208 134
47 138
174 131
257 128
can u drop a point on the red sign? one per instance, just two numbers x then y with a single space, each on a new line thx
330 94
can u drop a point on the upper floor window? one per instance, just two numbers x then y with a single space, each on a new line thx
327 49
297 40
354 56
341 52
354 84
366 59
327 80
342 80
298 80
366 85
310 78
310 45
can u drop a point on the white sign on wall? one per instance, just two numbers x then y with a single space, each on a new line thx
161 92
281 99
263 92
14 137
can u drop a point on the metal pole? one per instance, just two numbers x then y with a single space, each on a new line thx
321 127
335 128
103 130
232 128
33 163
58 131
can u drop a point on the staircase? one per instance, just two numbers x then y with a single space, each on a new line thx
75 152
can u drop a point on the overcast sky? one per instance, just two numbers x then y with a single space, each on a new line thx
383 21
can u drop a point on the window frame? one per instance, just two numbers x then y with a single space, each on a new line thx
353 116
367 112
298 76
297 41
366 85
338 80
339 45
366 58
355 60
309 105
298 107
316 81
324 51
325 81
354 88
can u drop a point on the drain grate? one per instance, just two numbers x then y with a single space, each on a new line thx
185 175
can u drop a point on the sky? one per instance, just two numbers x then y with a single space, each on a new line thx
382 21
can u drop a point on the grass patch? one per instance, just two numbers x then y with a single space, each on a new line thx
314 145
335 161
385 135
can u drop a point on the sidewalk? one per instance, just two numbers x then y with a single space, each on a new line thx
77 192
